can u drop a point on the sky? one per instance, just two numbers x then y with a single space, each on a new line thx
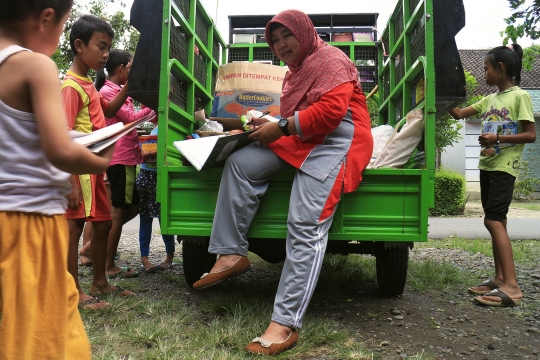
484 19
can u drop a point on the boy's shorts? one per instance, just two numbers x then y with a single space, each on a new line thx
496 190
122 180
95 205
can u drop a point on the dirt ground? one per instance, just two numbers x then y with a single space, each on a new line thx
438 324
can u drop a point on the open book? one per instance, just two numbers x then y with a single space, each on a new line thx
211 151
102 138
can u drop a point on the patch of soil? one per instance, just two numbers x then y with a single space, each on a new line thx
473 208
440 323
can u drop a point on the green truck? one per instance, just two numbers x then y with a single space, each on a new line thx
415 64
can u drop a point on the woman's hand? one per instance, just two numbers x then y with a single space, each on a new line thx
256 122
266 133
487 139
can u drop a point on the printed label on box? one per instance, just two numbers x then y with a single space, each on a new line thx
243 86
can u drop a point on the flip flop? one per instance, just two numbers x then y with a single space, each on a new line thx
489 283
505 299
151 269
87 264
166 265
124 273
93 304
116 292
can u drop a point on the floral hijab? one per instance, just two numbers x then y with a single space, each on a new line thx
319 68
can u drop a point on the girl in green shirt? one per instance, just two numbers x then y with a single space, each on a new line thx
500 158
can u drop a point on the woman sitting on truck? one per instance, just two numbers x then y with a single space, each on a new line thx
324 133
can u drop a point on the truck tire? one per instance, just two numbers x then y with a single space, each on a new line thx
195 257
392 264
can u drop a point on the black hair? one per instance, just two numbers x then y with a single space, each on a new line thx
274 26
511 57
85 27
116 58
20 10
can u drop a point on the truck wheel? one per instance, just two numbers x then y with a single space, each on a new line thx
392 264
195 257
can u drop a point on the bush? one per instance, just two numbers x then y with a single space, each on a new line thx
525 185
450 196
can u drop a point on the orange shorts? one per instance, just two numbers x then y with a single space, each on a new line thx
95 205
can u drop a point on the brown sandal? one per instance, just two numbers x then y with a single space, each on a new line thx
505 299
93 304
489 283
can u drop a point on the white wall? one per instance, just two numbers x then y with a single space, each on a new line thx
462 157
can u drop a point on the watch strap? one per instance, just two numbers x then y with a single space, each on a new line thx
285 128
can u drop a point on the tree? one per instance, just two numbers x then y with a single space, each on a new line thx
522 21
447 127
126 37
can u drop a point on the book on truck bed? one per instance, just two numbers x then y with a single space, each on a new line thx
211 151
102 138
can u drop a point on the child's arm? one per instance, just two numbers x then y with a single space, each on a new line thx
116 103
458 113
126 114
527 136
45 96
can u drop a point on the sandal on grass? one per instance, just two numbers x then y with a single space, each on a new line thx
166 265
505 299
151 269
488 283
124 273
118 291
262 346
87 261
93 304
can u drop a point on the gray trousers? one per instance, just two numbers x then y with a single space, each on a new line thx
244 181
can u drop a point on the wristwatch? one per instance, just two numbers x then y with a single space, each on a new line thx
284 126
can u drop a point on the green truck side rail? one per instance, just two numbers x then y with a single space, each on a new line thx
174 72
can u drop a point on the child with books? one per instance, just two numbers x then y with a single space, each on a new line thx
499 164
90 41
38 307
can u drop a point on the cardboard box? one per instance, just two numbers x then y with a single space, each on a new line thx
242 86
342 37
362 37
244 38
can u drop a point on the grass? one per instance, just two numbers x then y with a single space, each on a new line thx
217 324
526 252
185 324
529 204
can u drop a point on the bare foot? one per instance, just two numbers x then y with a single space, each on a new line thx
225 262
276 333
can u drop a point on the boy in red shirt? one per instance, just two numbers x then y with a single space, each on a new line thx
90 41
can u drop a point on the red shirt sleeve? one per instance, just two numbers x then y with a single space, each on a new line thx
326 114
104 103
73 103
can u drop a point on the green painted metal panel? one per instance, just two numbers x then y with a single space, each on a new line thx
390 204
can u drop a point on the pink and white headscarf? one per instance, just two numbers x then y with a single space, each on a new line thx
319 67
